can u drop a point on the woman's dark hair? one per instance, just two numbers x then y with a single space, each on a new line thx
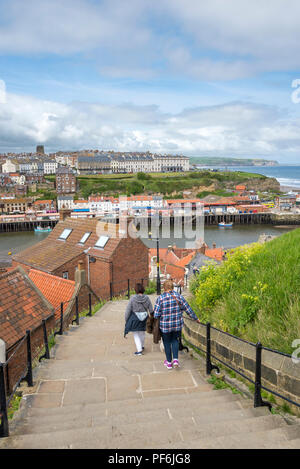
139 288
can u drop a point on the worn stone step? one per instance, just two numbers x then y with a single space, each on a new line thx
153 434
277 438
197 400
223 412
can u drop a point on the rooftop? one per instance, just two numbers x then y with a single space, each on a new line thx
58 249
22 306
55 289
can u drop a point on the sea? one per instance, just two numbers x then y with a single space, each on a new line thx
287 176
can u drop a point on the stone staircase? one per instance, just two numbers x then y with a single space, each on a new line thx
94 393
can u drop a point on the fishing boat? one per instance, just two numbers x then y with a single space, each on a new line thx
222 224
40 229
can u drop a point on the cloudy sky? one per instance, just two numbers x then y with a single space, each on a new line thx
215 78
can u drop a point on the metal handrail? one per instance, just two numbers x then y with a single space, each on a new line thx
27 372
258 401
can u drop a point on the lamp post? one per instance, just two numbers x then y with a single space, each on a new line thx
158 284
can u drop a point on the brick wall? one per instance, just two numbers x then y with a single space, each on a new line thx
18 363
130 261
100 277
71 267
279 373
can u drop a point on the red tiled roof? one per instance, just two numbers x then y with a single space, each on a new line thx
55 289
186 259
22 306
175 272
39 202
216 253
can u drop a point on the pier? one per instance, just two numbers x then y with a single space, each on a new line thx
265 218
16 226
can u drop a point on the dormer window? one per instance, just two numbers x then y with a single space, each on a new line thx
101 243
85 237
65 234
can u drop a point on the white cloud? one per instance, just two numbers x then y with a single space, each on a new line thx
231 129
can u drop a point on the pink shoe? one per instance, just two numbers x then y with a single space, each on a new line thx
168 365
175 363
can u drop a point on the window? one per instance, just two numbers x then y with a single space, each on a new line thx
65 234
102 242
85 237
66 275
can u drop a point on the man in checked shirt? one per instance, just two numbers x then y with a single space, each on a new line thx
169 308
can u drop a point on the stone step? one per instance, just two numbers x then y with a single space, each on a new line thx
223 412
193 401
153 434
278 438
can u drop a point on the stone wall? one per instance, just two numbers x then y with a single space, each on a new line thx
279 373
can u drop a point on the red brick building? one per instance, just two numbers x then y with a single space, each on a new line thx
109 256
65 180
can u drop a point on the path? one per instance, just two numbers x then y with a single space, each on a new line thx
94 393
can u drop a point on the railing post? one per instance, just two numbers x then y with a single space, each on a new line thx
4 430
209 366
90 304
77 310
258 402
47 353
61 318
28 377
128 289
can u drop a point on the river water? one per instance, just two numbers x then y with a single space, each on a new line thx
223 237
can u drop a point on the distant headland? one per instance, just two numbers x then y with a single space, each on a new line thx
221 161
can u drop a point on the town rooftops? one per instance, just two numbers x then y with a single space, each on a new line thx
22 306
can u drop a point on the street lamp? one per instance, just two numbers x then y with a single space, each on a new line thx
158 284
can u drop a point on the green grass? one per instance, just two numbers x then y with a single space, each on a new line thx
255 294
165 184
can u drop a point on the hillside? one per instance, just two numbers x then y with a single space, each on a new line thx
174 184
220 161
255 293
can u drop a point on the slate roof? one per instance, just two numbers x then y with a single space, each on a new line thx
22 306
52 253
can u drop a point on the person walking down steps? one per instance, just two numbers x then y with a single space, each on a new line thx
169 309
136 315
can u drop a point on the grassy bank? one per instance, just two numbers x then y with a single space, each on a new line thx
255 293
165 184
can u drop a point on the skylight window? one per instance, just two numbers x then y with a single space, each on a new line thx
85 237
65 234
102 242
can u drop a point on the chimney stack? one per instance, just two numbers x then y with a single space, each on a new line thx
64 213
80 277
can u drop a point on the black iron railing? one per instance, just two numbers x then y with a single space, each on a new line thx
7 394
258 401
122 288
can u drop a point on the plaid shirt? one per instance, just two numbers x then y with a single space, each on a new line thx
168 310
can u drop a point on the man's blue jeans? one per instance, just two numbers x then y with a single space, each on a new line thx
171 344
